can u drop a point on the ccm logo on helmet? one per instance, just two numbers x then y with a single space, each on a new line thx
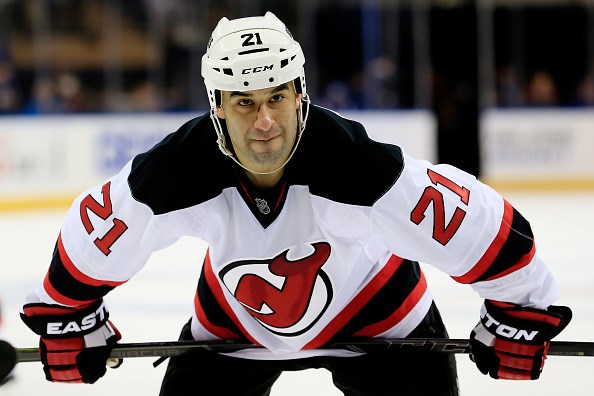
257 69
508 331
75 326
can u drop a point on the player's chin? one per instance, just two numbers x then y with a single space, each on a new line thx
268 159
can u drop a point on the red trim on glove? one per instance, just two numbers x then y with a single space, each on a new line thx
44 310
516 348
71 375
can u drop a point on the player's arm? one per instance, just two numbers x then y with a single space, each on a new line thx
106 238
444 217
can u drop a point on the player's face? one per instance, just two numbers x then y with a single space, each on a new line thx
262 125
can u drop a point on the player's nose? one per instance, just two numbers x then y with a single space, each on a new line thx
264 118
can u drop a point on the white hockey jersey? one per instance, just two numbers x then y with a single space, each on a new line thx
331 252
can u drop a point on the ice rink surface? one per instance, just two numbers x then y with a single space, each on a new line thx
156 303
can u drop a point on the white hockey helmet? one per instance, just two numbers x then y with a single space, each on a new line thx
252 53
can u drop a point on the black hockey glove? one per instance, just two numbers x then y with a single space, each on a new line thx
75 344
511 342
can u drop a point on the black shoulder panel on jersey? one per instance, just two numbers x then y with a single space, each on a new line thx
335 158
339 161
184 169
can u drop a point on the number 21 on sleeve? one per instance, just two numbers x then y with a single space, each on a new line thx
442 232
103 211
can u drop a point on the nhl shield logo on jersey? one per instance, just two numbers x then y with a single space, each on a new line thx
286 296
262 206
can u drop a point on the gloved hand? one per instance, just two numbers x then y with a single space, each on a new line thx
511 342
74 344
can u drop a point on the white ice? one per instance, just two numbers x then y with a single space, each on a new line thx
154 305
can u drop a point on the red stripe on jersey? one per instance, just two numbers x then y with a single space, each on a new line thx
280 196
493 250
245 190
59 297
524 261
221 332
407 305
75 272
217 291
356 304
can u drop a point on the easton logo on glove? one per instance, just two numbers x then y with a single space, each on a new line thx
75 343
53 321
511 342
507 331
528 325
91 321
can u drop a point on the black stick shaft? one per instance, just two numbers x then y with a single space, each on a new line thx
175 348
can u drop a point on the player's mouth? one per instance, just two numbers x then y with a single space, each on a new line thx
265 139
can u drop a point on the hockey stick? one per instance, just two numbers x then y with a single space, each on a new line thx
176 348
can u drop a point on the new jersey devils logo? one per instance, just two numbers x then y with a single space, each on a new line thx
286 296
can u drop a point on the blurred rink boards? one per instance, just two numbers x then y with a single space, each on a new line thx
155 304
47 160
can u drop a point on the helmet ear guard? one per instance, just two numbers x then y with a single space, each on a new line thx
248 54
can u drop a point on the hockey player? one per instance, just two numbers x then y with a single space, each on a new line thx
314 232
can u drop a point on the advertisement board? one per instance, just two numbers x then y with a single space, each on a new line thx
48 160
533 148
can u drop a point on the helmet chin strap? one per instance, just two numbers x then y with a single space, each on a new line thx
222 143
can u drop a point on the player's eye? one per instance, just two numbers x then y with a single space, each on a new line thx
244 102
277 98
